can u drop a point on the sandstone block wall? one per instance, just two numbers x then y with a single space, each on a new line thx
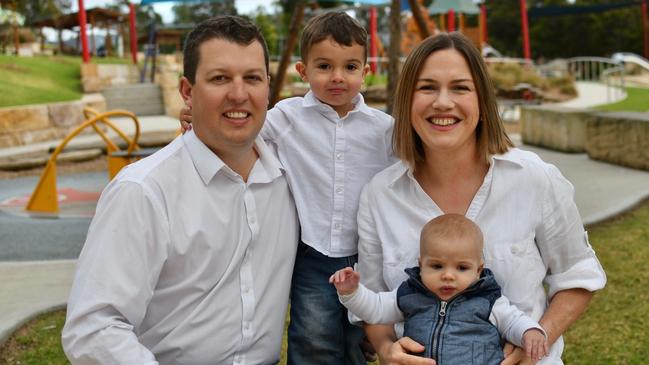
27 124
557 128
621 138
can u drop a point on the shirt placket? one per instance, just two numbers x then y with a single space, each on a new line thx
246 280
339 187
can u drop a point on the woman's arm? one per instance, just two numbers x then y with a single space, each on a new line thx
392 351
565 308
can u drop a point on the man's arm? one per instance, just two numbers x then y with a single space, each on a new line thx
116 276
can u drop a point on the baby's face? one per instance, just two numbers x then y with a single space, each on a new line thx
450 265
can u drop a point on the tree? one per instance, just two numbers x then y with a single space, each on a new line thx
196 13
34 10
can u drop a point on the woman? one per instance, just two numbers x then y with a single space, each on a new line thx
456 158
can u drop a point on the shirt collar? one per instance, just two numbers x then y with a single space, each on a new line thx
403 168
310 101
208 164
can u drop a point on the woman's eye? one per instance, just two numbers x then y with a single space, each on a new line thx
425 87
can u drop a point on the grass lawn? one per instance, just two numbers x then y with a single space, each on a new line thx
637 101
612 331
42 79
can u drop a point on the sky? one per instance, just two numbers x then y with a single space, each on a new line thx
164 8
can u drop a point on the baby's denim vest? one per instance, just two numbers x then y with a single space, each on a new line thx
457 331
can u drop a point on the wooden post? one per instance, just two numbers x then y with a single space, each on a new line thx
419 18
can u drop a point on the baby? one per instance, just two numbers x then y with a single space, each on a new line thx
451 304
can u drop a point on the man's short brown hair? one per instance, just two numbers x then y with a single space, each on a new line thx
228 27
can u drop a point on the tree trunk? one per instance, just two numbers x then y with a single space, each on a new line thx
394 51
278 82
419 18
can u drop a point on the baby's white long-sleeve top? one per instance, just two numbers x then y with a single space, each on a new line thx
382 308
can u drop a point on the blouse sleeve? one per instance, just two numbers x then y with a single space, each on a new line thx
370 252
563 242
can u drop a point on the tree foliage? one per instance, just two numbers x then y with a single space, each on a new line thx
191 13
593 34
34 10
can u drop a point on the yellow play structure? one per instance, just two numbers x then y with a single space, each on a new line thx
44 198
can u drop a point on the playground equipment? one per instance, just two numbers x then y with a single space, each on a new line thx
44 198
599 69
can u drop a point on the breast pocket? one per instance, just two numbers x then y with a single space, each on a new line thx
518 268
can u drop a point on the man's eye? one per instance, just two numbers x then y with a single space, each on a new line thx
253 78
218 78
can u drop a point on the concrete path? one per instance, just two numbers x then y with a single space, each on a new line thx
591 94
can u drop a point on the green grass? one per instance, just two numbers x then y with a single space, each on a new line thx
43 79
637 100
612 331
35 80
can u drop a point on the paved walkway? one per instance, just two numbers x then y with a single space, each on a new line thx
602 190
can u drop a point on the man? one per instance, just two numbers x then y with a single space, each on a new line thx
189 257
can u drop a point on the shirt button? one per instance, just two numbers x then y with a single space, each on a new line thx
337 225
339 190
339 124
339 155
514 250
246 289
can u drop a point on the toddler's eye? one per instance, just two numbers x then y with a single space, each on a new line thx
323 66
352 67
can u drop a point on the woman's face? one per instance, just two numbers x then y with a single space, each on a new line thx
445 110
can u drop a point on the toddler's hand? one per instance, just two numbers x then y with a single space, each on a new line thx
345 280
185 119
535 344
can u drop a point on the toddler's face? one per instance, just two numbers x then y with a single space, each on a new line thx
335 73
450 265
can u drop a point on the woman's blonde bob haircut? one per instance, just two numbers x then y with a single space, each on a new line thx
490 132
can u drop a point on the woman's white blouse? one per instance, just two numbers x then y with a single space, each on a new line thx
533 234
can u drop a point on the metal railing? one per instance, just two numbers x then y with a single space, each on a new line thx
599 69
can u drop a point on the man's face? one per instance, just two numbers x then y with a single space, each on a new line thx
230 96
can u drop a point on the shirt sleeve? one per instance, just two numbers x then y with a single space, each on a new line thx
370 251
562 241
511 322
115 279
274 125
392 158
371 307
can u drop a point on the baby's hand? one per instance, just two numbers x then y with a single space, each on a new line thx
185 119
345 280
535 344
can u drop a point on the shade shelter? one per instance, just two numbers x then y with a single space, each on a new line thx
97 17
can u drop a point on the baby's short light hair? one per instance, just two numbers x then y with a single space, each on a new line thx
450 226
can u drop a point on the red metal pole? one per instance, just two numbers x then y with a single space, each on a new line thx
82 33
483 21
644 29
373 40
133 31
451 20
526 33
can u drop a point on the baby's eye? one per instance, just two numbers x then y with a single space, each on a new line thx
436 266
463 268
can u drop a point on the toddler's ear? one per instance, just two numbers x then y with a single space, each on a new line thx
480 268
300 67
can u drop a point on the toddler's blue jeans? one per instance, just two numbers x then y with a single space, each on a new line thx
319 331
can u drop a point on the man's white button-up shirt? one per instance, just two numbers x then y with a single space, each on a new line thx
185 263
328 160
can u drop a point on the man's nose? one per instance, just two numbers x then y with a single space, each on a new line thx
238 92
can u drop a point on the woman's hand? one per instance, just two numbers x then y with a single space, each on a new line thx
185 119
398 353
515 356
